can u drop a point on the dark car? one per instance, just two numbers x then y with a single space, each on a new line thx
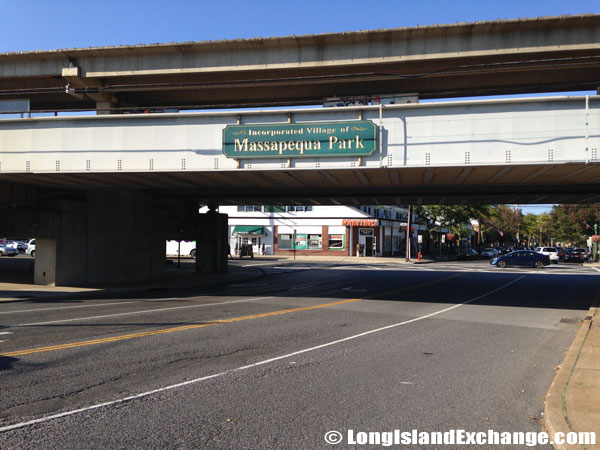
585 252
8 251
521 258
576 255
467 255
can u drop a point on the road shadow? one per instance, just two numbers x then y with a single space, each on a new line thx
6 362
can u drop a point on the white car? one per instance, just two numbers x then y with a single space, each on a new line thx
490 253
551 252
31 248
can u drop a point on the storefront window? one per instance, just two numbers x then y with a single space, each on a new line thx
249 208
275 209
314 242
336 242
284 242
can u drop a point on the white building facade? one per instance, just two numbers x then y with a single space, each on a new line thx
318 230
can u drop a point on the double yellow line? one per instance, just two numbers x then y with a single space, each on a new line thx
210 324
172 330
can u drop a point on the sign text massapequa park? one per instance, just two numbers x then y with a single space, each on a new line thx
308 140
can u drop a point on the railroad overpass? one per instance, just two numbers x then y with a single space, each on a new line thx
545 54
102 192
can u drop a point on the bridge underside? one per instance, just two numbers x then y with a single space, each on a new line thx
535 183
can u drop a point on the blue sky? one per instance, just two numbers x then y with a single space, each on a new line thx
44 25
60 24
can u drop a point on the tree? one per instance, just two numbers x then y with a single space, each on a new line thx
573 224
530 229
454 218
502 225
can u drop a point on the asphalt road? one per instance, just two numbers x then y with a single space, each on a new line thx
280 361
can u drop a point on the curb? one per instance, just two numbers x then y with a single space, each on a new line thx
556 417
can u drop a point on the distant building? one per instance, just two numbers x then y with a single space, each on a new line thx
319 230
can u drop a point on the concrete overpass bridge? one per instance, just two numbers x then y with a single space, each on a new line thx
545 54
102 193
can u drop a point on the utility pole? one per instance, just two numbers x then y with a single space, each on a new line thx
518 224
595 243
408 227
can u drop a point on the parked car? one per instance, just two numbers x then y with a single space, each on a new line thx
575 255
19 245
552 252
585 252
467 255
5 250
521 258
31 248
489 253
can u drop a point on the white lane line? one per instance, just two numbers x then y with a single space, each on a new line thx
145 311
596 269
62 307
260 264
249 366
5 332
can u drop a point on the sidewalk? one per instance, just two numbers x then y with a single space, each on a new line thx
340 259
573 401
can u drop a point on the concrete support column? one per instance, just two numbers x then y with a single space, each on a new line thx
211 243
124 242
45 261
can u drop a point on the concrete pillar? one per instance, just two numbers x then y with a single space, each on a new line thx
211 243
124 241
45 261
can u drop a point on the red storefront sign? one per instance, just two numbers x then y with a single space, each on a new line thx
360 222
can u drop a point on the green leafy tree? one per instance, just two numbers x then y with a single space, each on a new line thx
455 218
529 229
502 225
573 224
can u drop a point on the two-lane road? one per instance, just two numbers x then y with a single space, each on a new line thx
281 361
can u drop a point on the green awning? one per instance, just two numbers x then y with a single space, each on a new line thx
248 229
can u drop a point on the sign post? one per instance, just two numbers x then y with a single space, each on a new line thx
294 244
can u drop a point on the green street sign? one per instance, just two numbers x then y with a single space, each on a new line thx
300 140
